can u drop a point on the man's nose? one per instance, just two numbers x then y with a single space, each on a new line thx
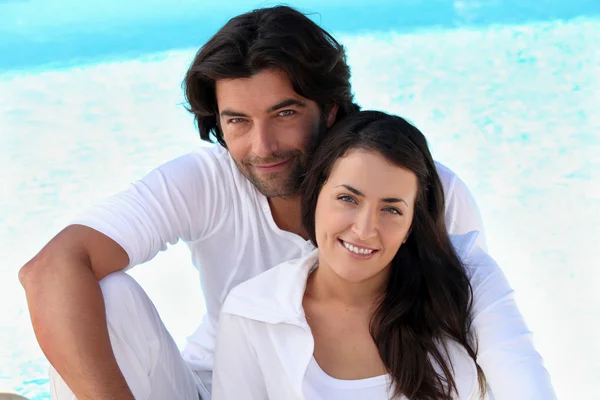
264 142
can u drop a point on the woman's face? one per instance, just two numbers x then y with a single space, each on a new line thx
364 214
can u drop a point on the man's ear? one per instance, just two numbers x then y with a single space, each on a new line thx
331 115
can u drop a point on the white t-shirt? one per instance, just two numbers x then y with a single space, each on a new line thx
318 385
204 200
265 346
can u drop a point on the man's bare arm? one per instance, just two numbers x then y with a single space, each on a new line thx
67 310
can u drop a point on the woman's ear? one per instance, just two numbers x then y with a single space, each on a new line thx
407 235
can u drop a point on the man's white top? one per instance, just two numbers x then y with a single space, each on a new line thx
204 200
265 345
318 385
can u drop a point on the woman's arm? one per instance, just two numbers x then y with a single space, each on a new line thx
513 368
236 373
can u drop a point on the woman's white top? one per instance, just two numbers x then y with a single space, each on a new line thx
265 346
320 386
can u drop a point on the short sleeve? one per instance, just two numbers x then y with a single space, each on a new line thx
180 199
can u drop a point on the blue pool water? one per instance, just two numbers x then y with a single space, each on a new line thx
507 94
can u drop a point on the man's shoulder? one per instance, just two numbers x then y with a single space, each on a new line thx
204 163
202 177
445 173
208 156
453 185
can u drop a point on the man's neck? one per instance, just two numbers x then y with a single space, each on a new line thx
286 213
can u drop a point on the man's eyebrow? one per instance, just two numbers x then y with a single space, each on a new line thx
228 112
286 103
385 199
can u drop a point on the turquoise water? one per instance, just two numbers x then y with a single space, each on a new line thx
510 104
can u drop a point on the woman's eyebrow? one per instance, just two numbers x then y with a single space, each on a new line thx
385 199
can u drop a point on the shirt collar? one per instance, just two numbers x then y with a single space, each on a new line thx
275 296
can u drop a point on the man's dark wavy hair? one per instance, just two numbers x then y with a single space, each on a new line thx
269 38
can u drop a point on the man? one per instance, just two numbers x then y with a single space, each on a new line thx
266 86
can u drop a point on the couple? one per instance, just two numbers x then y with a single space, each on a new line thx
389 306
429 318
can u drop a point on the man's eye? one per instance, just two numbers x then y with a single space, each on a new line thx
286 113
235 120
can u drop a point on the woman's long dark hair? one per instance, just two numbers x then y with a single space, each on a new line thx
428 299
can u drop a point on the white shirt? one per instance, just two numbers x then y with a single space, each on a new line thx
265 346
204 200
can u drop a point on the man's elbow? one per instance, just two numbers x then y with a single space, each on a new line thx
28 273
59 256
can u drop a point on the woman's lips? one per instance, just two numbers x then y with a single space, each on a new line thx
359 252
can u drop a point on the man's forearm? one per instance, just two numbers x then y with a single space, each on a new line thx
69 320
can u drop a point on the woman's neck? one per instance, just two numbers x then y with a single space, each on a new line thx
325 285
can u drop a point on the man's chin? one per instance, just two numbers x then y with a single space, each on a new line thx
283 184
277 192
271 188
283 196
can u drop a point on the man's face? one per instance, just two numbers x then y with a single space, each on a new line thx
268 129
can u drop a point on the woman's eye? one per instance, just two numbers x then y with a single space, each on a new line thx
347 199
392 210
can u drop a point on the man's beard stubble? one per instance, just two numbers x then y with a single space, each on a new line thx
276 184
285 183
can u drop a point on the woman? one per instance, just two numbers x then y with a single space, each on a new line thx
388 306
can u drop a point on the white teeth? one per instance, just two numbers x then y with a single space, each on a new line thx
357 250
